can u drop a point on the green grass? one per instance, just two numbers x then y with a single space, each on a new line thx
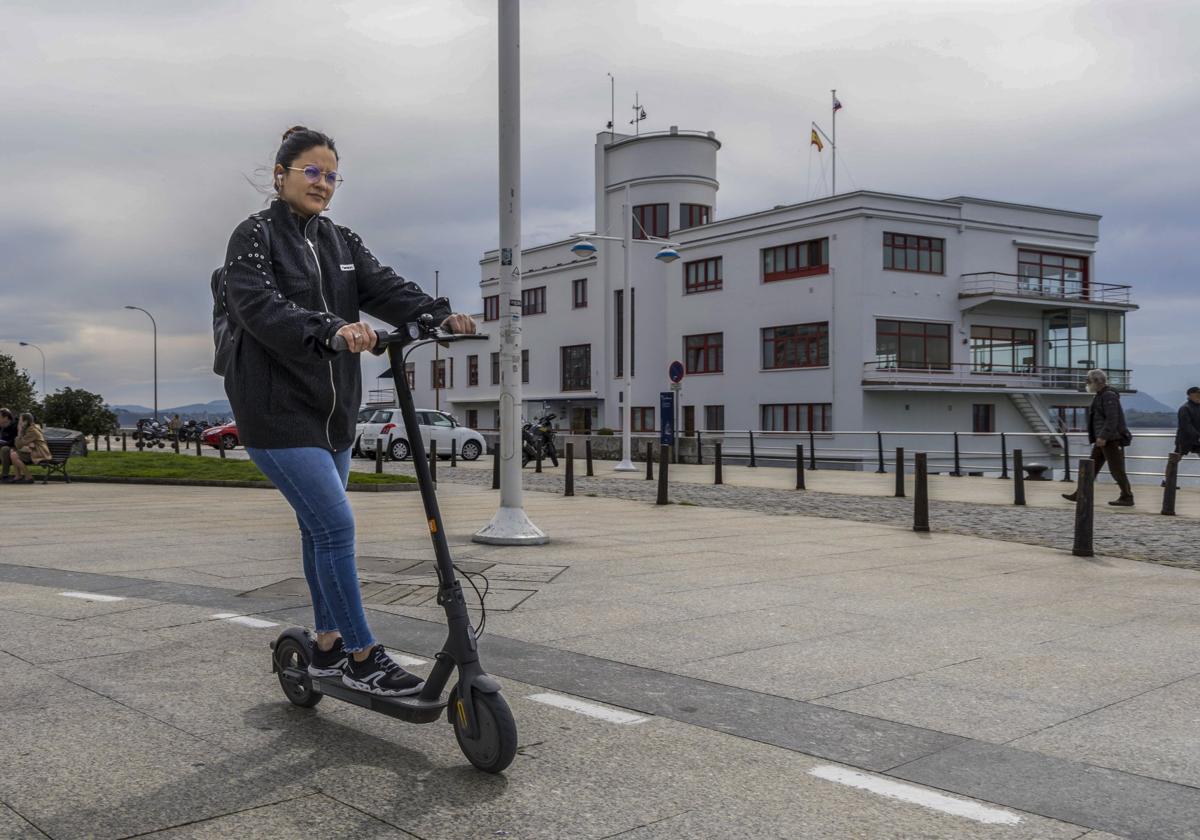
170 465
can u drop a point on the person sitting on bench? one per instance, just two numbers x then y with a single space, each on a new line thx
29 448
8 437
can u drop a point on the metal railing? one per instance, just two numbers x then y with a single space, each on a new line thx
1002 377
1016 285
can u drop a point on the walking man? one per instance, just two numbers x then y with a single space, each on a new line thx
1108 435
1187 435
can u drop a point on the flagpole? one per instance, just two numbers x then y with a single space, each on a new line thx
833 142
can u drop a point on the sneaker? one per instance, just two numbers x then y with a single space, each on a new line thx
379 674
1070 497
1123 501
8 479
328 663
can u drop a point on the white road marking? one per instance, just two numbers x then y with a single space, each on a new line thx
91 596
404 660
589 709
244 620
915 795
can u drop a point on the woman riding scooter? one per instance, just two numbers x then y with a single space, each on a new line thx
293 281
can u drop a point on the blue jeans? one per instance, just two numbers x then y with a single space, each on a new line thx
313 481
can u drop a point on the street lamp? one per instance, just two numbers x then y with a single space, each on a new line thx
667 253
39 349
155 325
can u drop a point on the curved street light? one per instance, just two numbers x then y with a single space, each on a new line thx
155 325
39 349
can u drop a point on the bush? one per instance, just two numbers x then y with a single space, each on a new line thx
82 411
605 431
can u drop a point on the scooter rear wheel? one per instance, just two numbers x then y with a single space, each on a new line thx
291 654
496 745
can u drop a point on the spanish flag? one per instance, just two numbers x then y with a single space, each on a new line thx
816 141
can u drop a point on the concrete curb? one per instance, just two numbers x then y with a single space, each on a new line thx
212 482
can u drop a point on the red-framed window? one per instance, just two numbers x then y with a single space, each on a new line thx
438 373
704 353
491 308
579 293
1071 418
410 373
495 368
923 254
1003 349
576 368
983 417
533 301
525 366
795 346
472 371
689 419
694 215
796 417
702 275
1053 273
714 418
798 259
912 345
650 220
641 418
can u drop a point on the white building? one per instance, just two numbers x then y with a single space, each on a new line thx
861 311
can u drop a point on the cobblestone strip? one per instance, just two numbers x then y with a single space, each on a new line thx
1156 539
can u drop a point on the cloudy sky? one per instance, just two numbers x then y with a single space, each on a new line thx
132 126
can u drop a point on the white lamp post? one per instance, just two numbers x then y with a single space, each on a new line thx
154 324
667 253
39 349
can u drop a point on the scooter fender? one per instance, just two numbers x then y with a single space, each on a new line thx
484 684
300 635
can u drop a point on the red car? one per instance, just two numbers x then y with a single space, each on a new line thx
224 436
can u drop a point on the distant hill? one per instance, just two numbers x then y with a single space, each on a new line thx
1141 401
128 415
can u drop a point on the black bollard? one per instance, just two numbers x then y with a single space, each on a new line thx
649 461
433 461
699 449
96 443
198 452
717 478
378 456
569 485
921 494
753 463
1003 456
175 444
1084 511
123 448
496 466
1066 457
879 442
812 450
665 453
1018 477
957 464
221 449
587 451
899 472
454 453
1168 506
108 443
800 466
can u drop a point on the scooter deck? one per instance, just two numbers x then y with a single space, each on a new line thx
409 709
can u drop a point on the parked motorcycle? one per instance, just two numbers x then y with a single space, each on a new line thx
150 433
538 437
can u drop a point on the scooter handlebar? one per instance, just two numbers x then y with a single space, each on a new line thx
422 330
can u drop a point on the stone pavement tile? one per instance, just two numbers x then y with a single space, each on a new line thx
711 600
185 575
1166 636
100 770
153 617
49 602
1183 589
313 817
973 632
42 640
662 644
1089 608
23 685
983 715
15 827
541 625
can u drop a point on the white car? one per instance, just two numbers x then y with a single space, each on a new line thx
364 416
386 428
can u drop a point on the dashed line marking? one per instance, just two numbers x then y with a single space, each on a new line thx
91 596
915 795
406 661
590 709
244 620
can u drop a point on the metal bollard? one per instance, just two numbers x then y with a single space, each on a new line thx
717 479
96 443
569 486
649 461
665 454
454 453
378 456
899 472
587 451
699 449
1018 477
175 444
221 449
800 466
921 494
496 466
1168 505
123 447
1066 457
957 464
812 450
1084 513
879 441
1003 456
433 461
108 443
752 461
199 453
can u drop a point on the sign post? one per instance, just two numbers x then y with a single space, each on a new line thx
675 374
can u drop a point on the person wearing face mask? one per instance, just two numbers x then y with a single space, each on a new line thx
1108 435
293 280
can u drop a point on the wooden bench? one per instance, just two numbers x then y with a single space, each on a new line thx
60 453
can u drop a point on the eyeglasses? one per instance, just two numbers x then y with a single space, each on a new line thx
313 174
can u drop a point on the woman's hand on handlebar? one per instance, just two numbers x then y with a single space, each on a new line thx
459 324
359 337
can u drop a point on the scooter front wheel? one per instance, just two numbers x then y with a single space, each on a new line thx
496 744
289 653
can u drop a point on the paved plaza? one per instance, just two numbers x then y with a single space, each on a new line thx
749 662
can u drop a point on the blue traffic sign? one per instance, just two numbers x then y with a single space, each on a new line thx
675 371
666 409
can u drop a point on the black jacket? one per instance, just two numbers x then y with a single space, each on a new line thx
1187 436
8 434
1106 418
285 384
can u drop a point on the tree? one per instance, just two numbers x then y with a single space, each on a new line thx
80 410
16 389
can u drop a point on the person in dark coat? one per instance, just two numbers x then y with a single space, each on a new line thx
1108 435
8 438
1187 434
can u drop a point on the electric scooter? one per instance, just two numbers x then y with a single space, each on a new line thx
483 724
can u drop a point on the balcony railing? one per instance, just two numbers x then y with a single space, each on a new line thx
1015 285
967 375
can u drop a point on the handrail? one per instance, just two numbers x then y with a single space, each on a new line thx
1003 283
1007 377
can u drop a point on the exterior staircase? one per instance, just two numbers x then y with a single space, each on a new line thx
1038 418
